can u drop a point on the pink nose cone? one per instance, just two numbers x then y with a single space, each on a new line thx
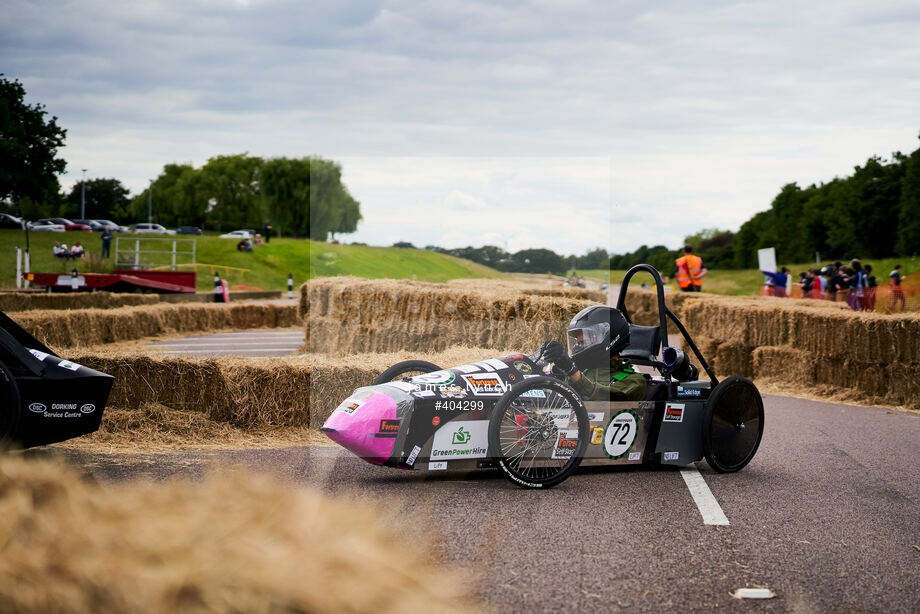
365 426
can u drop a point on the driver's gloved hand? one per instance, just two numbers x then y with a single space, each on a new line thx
554 352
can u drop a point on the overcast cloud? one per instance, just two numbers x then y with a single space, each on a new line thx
565 125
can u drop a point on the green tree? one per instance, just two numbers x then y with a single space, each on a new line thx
29 165
908 231
231 183
332 208
105 198
285 187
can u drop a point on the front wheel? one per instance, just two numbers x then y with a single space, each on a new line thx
538 432
406 368
732 424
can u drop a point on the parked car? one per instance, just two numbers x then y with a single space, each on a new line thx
93 224
150 229
238 234
45 227
67 224
112 226
188 230
10 221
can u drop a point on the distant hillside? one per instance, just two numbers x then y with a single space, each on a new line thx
266 267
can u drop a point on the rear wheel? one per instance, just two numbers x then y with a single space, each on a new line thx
538 432
732 425
9 407
406 368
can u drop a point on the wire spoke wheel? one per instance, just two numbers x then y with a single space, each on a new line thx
538 432
733 424
406 368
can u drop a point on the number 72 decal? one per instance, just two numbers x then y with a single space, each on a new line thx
620 434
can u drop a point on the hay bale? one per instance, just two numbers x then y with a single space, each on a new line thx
28 301
86 327
784 364
349 315
232 542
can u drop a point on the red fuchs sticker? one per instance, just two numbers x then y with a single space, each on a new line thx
389 426
436 421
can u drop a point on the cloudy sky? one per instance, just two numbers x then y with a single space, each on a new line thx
566 125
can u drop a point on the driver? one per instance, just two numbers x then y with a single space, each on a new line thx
596 336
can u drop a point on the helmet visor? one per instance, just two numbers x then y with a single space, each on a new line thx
588 336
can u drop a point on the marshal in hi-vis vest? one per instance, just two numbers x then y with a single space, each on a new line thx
688 267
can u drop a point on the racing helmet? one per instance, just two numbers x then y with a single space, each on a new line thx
595 334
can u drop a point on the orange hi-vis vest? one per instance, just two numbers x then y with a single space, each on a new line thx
688 267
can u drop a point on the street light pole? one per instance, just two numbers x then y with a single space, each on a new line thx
83 196
150 203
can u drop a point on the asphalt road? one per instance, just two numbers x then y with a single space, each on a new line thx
262 343
827 515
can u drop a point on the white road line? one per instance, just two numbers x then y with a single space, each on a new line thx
709 508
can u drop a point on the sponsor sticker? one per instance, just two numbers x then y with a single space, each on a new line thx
620 434
39 355
437 466
485 384
561 417
688 392
566 442
66 364
597 435
595 416
436 377
87 408
671 456
674 412
467 368
389 426
410 460
453 391
38 408
349 406
436 421
495 364
461 439
634 456
523 366
424 393
536 393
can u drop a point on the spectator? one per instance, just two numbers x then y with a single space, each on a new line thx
76 251
805 283
690 271
818 285
897 292
245 245
106 241
843 285
857 285
258 240
871 289
60 251
779 279
267 231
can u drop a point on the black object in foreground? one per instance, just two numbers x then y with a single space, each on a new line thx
44 398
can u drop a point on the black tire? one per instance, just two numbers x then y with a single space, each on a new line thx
732 424
400 369
10 406
510 417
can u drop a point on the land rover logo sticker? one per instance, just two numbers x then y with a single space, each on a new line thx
38 408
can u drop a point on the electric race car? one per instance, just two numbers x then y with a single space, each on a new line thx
44 398
513 412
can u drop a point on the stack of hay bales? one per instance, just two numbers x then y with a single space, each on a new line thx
83 327
348 315
27 301
812 345
231 542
